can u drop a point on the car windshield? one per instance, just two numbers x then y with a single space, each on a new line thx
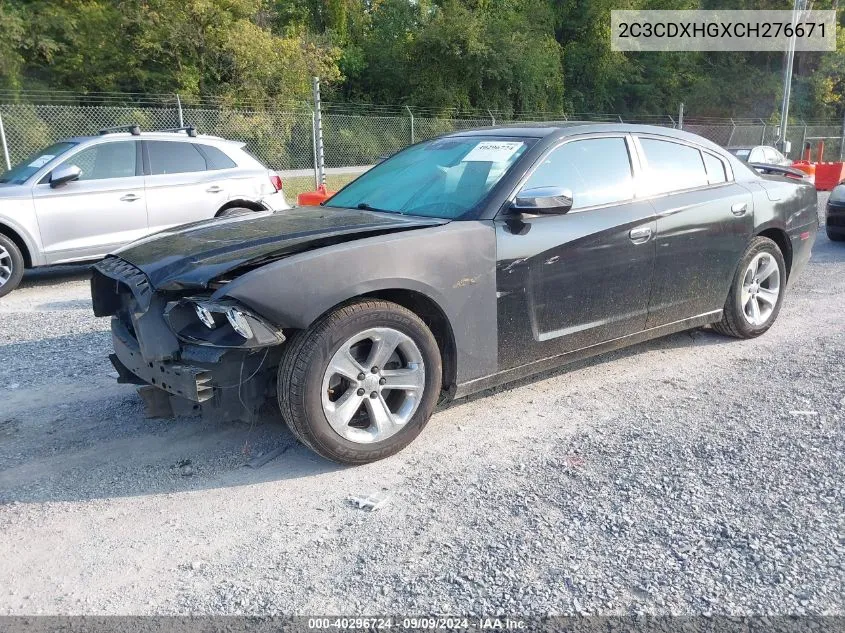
443 178
741 153
24 170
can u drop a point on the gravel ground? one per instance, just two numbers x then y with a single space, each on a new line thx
694 474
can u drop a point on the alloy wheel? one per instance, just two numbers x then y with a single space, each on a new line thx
373 385
6 266
760 289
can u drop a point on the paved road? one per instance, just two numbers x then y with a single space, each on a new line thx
688 475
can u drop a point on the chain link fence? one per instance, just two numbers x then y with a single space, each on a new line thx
284 140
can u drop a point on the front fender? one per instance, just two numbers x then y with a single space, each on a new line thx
19 216
453 264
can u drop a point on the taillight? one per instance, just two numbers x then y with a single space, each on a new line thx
276 181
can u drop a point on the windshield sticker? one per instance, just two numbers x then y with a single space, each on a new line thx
41 161
492 152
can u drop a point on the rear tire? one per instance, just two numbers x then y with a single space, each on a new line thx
11 265
227 213
756 293
835 236
336 398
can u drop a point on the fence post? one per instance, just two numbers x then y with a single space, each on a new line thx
411 114
318 135
314 148
803 140
681 116
492 118
730 137
841 141
5 145
763 133
179 108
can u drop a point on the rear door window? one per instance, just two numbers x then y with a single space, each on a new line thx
174 157
715 169
672 166
596 170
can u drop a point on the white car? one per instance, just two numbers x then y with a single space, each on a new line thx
84 197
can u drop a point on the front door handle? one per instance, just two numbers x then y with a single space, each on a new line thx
640 235
214 189
130 197
739 208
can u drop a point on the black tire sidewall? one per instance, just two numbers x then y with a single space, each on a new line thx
234 211
835 236
17 265
321 432
760 245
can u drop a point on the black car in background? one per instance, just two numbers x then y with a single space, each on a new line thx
835 214
455 265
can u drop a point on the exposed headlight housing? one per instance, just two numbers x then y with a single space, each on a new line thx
205 316
220 324
239 322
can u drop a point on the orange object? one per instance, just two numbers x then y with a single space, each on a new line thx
828 175
807 167
314 198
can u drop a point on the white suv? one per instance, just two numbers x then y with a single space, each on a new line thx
82 198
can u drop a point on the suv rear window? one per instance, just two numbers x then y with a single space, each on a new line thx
216 158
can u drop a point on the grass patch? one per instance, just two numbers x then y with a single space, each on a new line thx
295 186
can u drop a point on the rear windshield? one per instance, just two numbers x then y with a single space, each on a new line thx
741 153
24 170
443 178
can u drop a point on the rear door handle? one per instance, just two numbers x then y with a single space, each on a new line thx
130 197
214 189
640 235
739 208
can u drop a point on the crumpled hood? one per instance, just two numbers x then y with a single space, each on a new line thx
192 255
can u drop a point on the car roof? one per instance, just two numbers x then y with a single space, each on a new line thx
573 128
154 136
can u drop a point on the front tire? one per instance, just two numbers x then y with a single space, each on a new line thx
834 236
361 383
756 293
11 265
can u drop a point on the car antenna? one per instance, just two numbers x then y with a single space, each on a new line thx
134 129
189 129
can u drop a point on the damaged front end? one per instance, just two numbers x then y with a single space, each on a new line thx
186 352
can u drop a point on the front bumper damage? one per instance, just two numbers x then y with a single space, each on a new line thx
176 377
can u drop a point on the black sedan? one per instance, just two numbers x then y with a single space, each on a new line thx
456 265
835 214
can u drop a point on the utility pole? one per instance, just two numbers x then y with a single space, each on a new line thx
318 133
797 8
681 116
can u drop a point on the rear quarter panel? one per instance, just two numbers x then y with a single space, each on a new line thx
790 206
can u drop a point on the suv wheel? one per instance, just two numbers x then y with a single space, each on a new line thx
11 265
756 293
361 383
227 213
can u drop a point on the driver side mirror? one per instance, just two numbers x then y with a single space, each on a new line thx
543 200
64 174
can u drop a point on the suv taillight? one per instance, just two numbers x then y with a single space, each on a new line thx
276 181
